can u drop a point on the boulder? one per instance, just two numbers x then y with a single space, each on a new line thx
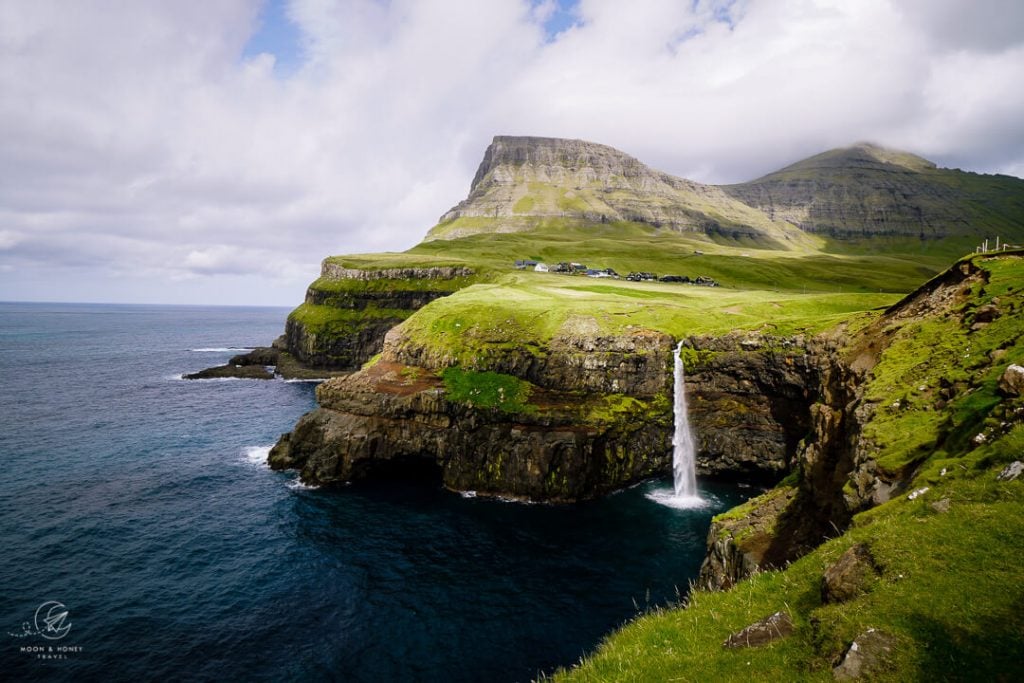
941 506
1012 381
849 576
762 632
986 314
261 355
1011 471
867 656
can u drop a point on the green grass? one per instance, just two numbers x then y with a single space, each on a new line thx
627 247
411 285
341 321
951 584
384 260
487 390
950 592
935 386
527 310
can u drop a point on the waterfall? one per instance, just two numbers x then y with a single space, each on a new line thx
684 452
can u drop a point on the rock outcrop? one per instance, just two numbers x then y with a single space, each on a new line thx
773 627
598 417
869 655
348 311
395 420
1012 381
839 474
264 362
849 576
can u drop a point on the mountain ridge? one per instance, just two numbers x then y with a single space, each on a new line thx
861 191
523 179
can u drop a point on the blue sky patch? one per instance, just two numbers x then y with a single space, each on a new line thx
277 34
563 18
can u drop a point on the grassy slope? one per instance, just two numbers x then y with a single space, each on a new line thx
967 207
758 284
776 292
629 247
950 590
528 309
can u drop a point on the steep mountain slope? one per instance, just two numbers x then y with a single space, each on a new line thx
869 191
524 179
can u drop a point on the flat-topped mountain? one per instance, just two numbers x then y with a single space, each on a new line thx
522 180
855 192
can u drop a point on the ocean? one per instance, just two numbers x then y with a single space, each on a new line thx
143 536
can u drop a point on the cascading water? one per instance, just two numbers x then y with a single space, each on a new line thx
684 450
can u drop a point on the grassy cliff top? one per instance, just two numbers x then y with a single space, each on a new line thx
529 309
948 591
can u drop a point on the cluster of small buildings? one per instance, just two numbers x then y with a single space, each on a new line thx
581 269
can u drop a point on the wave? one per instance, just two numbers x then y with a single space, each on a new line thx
257 455
302 381
297 485
221 349
219 379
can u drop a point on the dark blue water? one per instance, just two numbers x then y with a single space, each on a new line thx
138 502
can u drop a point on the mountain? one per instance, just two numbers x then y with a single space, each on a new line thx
862 191
867 191
522 180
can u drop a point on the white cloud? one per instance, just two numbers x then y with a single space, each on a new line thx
139 143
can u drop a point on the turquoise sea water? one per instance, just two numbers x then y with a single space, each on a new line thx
140 503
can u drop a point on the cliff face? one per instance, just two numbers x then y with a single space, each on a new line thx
348 311
596 417
750 396
939 352
394 418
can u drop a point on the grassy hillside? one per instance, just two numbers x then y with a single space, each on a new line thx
527 309
628 247
949 588
865 191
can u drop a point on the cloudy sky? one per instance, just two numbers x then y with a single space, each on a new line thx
214 152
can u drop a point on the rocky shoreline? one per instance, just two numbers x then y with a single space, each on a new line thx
265 362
